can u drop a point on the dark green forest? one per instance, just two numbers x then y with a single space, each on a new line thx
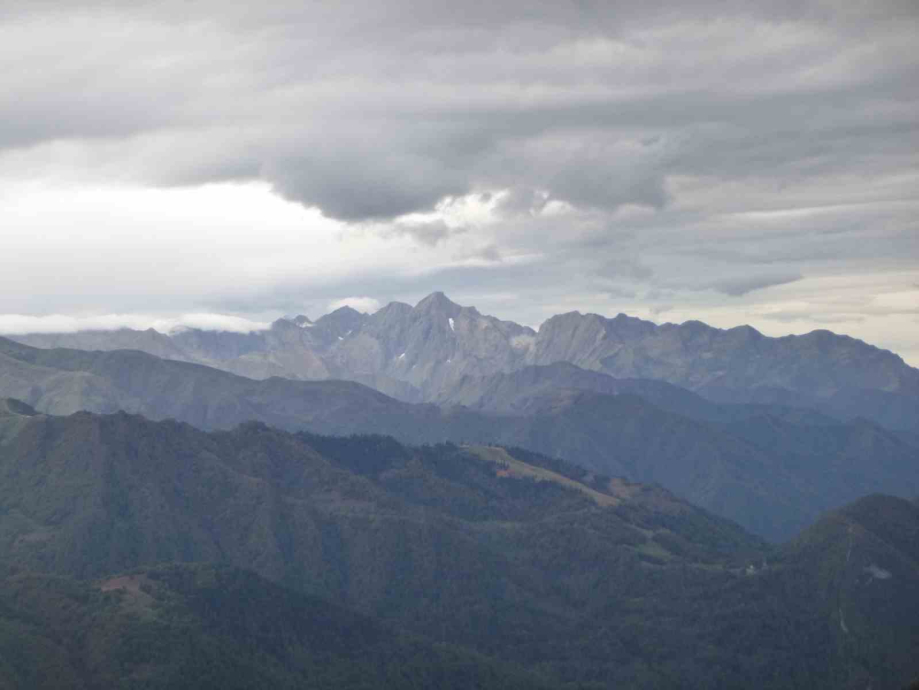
145 554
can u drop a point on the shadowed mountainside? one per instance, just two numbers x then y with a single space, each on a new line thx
214 627
525 390
542 564
862 562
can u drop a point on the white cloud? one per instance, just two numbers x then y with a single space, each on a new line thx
366 305
20 324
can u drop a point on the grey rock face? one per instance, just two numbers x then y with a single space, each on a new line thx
702 358
413 353
438 342
429 352
835 374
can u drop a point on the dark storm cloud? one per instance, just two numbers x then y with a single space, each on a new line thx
371 112
368 184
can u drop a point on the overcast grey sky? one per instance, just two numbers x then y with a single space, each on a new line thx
169 162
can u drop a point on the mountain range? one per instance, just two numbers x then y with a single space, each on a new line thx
429 353
773 469
427 496
479 565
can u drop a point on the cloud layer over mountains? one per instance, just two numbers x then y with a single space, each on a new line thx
723 161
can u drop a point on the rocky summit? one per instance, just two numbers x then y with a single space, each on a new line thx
429 352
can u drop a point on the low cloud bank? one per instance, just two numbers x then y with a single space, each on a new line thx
365 305
21 324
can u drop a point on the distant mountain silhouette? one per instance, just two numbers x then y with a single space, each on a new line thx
428 353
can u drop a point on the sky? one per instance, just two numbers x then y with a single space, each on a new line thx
219 164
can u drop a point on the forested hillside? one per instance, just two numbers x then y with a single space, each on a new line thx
208 627
525 559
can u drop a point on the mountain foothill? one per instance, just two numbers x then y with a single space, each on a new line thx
431 497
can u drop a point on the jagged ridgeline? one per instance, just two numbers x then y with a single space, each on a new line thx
439 351
494 565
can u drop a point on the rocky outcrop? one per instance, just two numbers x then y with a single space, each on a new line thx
429 352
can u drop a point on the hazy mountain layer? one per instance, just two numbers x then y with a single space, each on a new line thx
526 390
772 483
527 560
773 476
426 354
